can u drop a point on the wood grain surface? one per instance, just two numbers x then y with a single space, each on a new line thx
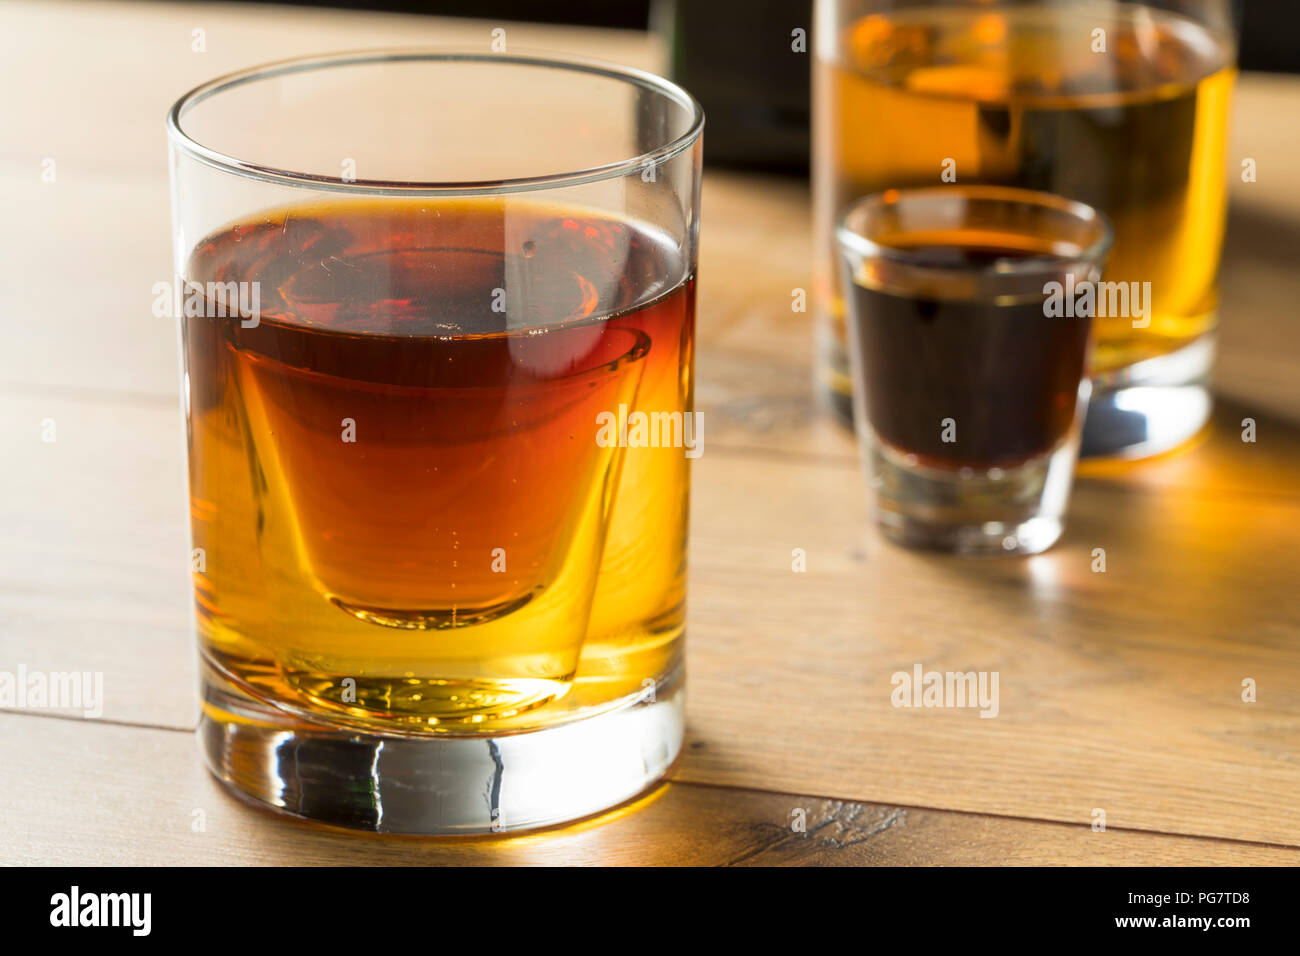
1120 691
102 794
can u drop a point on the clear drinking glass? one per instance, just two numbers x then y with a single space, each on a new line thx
969 310
437 588
1120 105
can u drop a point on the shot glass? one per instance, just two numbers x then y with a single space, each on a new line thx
969 319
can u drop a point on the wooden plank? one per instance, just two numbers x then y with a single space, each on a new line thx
1119 690
76 303
128 818
94 559
1259 334
1122 689
90 83
1259 102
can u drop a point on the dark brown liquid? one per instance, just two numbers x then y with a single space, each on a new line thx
1006 375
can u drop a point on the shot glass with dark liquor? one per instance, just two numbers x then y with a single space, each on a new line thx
969 313
431 594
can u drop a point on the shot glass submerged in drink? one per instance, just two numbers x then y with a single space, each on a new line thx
429 597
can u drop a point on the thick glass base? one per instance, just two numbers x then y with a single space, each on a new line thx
973 511
1150 407
439 784
985 538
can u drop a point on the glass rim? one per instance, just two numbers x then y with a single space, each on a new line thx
215 158
852 239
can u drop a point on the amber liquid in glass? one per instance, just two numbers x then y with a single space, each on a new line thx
403 515
1017 96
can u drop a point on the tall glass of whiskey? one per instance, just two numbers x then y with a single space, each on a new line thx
1119 105
439 582
969 312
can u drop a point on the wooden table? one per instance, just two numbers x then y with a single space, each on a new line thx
1119 690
